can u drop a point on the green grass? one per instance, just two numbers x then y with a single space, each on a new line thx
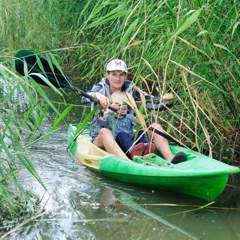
190 48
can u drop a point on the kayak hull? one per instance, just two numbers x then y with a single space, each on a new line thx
199 176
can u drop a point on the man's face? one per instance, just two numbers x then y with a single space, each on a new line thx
116 79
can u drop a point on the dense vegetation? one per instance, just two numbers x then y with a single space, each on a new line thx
190 48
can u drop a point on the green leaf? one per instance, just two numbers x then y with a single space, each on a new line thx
235 27
226 49
84 124
62 116
117 12
46 81
185 24
126 36
44 96
29 166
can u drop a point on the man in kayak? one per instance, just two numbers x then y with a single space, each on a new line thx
123 129
116 80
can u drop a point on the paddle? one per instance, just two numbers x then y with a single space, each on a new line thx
36 64
28 62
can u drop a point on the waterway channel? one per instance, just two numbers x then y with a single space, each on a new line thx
80 204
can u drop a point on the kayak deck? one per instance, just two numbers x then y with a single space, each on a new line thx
199 176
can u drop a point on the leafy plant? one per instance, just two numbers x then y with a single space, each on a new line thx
190 48
23 109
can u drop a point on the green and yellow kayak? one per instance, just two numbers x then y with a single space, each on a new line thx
199 176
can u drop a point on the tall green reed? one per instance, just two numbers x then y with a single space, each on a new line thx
14 200
190 48
175 46
187 47
23 109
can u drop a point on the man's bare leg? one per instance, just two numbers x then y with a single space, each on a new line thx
161 143
105 140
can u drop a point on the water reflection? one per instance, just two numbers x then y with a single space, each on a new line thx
108 197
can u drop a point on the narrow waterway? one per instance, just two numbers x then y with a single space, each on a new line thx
80 204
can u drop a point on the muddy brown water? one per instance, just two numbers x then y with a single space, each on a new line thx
81 204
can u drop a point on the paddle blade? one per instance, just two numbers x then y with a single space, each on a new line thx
29 61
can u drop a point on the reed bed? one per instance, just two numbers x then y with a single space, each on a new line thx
190 48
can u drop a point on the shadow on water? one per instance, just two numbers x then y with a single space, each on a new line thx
80 204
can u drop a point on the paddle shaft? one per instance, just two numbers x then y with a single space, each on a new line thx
95 100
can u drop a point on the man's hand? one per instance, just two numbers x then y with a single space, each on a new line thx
104 101
166 97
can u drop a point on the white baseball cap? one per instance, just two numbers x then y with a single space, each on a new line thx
117 64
